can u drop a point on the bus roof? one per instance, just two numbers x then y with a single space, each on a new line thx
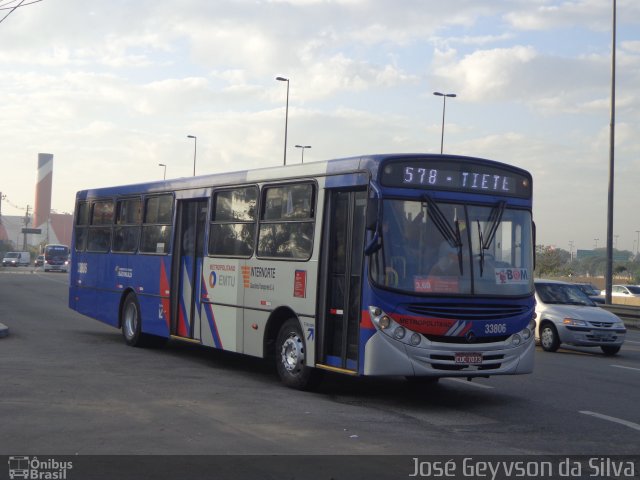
364 163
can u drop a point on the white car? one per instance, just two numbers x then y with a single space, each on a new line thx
623 291
565 314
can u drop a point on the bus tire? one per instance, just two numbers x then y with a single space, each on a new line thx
131 321
291 357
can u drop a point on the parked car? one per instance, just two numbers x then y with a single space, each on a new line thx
39 261
624 291
566 315
16 259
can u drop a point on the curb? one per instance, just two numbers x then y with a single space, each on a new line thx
4 330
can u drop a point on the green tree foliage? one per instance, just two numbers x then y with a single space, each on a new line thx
552 261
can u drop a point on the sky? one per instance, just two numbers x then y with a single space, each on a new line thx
113 89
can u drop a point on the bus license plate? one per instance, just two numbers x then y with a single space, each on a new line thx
468 358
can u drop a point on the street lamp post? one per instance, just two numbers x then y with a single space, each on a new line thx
444 107
608 281
164 176
302 147
286 117
638 242
195 149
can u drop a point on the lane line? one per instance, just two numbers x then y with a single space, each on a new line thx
626 423
626 368
467 382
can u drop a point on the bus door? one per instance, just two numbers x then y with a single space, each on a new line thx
191 222
342 269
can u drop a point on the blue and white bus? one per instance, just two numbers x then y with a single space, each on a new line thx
412 265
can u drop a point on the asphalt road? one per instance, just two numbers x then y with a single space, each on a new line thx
71 386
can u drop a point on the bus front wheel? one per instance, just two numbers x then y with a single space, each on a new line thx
291 357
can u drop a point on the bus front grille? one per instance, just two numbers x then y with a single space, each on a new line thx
467 312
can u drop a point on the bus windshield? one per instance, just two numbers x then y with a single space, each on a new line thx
433 247
56 252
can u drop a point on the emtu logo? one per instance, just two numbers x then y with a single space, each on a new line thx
246 276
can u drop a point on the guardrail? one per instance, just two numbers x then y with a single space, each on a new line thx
628 314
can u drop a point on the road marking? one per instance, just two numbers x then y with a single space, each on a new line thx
626 423
631 341
467 382
626 368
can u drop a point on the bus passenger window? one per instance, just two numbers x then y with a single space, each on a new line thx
82 225
286 228
127 231
156 228
99 235
233 222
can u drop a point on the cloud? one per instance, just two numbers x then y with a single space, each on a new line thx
485 75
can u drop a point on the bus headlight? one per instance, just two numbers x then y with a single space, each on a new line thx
385 324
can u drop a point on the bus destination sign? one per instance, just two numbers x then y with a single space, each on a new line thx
452 175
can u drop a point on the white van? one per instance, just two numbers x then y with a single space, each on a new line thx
16 259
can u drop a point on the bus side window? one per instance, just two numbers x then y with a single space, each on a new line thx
156 227
233 222
99 236
286 227
82 225
127 229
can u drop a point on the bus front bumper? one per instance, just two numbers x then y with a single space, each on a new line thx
387 356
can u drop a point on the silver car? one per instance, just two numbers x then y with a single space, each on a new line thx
564 314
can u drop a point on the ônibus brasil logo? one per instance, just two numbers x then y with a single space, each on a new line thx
35 469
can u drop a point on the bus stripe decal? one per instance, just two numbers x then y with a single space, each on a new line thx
183 325
211 319
164 287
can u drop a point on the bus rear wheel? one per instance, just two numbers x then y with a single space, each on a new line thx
131 323
291 357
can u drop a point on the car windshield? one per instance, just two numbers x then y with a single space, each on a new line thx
12 255
561 294
588 289
440 248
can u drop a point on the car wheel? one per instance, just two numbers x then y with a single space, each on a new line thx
549 340
609 351
291 358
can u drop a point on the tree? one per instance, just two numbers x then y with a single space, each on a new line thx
551 260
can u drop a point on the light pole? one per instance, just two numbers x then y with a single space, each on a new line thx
195 149
608 280
444 107
638 242
286 117
596 243
164 176
303 147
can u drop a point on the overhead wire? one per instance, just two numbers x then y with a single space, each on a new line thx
4 6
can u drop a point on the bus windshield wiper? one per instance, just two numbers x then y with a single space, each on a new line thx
495 217
452 236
